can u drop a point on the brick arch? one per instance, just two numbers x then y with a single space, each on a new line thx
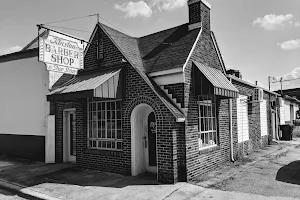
139 100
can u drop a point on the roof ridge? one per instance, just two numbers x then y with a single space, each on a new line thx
151 34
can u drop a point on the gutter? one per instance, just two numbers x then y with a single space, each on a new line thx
230 129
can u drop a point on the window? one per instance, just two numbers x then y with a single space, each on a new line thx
105 125
207 121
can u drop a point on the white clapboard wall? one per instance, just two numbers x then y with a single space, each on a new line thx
242 118
281 109
263 118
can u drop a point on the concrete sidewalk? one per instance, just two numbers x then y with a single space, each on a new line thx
34 180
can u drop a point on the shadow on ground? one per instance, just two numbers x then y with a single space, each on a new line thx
289 173
30 175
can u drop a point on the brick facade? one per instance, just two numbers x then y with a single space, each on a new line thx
178 154
256 141
170 134
201 162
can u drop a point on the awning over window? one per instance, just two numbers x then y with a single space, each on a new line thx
220 84
103 84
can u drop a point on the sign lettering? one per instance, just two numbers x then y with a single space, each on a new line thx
61 53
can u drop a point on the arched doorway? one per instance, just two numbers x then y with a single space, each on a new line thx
143 140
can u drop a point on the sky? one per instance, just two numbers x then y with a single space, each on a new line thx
260 38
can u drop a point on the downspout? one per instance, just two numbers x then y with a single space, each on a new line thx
230 129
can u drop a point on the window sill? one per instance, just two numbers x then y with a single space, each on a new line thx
104 152
209 149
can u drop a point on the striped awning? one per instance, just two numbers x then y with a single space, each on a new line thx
103 84
221 85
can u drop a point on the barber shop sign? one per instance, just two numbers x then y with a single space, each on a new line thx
60 53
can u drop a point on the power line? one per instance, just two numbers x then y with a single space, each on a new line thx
113 25
69 28
70 19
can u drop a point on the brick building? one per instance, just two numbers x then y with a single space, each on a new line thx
161 103
256 119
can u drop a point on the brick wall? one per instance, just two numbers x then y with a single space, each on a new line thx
201 162
111 54
199 12
170 134
256 141
177 91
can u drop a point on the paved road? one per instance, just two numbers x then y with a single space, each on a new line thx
279 176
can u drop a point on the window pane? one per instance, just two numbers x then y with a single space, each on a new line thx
109 134
108 106
119 145
90 143
94 116
94 143
119 134
99 115
113 105
94 106
94 129
103 106
119 114
108 144
108 114
99 144
202 124
99 107
113 114
113 145
119 124
103 144
118 105
103 133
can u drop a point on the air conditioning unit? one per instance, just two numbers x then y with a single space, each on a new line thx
258 95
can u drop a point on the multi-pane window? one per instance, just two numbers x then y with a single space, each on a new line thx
208 135
105 125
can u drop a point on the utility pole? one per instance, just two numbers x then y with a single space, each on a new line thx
281 85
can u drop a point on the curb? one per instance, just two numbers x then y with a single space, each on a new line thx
24 192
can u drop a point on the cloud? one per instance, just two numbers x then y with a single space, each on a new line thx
10 50
134 9
290 45
168 5
143 9
273 22
297 24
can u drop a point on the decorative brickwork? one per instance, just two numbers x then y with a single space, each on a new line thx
177 91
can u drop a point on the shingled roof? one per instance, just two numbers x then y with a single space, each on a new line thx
159 51
167 49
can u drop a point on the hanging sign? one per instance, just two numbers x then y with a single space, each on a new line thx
60 53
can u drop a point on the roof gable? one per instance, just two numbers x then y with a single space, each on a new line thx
167 49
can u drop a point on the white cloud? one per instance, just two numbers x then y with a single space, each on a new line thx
273 22
168 4
290 45
143 9
10 50
297 24
134 9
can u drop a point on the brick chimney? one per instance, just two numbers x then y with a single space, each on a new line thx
199 14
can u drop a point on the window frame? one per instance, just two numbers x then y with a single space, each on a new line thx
116 131
212 129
